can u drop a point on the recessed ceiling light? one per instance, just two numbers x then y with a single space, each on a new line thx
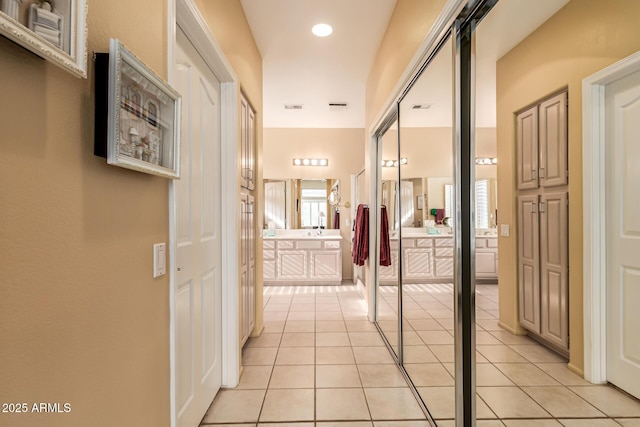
322 30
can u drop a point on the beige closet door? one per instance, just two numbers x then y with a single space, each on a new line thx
529 263
553 167
554 269
527 147
198 279
623 233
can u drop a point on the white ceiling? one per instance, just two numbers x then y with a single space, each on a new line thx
300 68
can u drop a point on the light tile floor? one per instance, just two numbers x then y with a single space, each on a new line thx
319 362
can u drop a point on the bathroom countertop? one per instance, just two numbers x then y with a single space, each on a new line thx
304 237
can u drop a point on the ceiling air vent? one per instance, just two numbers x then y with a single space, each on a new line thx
420 106
293 106
335 106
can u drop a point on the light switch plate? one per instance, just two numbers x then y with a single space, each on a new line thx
159 259
504 230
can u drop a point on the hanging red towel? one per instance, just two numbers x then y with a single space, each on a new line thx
385 245
360 251
439 216
336 220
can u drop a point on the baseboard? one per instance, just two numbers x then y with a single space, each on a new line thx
573 368
518 331
257 332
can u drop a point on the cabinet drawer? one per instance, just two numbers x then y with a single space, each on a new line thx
393 244
424 243
481 243
492 243
332 244
269 254
268 244
285 244
444 252
408 243
309 244
448 242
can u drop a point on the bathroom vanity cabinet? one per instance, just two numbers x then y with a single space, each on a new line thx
304 260
429 258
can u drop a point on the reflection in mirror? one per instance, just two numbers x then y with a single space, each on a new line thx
427 246
387 301
301 203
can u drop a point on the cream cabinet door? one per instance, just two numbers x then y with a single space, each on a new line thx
418 264
554 269
292 264
553 166
527 148
528 263
325 265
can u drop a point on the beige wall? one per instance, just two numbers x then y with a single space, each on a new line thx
83 321
344 150
429 151
408 26
582 38
230 28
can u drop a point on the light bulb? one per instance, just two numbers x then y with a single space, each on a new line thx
322 30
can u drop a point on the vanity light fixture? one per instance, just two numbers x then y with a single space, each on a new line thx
310 162
322 30
486 160
393 163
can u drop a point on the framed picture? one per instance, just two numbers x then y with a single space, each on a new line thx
420 202
137 115
55 30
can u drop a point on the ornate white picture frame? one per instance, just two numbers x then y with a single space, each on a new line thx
143 125
55 30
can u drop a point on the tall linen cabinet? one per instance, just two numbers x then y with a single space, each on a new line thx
543 204
247 219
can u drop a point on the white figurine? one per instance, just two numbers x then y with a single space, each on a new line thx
11 8
134 136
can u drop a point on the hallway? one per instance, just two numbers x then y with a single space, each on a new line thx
320 362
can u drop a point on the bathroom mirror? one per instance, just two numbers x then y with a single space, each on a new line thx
298 203
431 198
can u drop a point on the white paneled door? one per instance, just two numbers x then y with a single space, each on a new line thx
623 231
198 292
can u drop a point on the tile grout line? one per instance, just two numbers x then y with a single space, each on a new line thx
364 395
